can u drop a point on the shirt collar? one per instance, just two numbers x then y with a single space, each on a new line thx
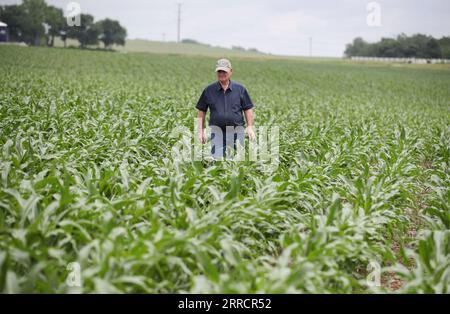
230 85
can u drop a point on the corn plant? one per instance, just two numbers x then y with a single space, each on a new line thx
87 178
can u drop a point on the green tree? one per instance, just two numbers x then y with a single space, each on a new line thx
407 47
444 44
433 50
54 18
111 32
358 47
417 46
13 16
87 33
387 47
32 21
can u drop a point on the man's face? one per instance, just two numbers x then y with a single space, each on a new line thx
224 76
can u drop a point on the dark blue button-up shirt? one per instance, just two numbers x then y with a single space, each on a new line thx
226 107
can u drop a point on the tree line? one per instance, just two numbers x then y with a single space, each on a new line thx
415 46
36 23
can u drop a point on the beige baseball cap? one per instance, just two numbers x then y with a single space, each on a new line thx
224 65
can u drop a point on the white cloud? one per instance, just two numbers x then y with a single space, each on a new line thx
294 23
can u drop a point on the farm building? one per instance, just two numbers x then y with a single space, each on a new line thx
3 32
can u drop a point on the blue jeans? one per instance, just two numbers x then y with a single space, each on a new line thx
223 138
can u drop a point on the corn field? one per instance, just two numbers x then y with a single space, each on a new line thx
87 177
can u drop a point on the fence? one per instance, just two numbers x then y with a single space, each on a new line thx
401 60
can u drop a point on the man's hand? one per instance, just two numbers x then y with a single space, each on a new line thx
249 118
251 133
201 122
202 136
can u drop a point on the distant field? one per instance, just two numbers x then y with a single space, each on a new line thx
137 45
87 177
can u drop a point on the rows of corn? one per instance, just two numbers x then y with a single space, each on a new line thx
87 178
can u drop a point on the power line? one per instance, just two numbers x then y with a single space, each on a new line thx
179 22
310 46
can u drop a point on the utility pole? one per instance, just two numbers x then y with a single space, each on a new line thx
164 36
179 22
310 46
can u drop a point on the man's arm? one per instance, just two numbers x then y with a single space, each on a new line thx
249 118
247 105
201 126
202 106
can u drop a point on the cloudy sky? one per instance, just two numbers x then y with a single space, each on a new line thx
275 26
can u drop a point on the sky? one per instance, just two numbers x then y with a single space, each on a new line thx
285 27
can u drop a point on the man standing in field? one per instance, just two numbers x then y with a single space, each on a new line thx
228 102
